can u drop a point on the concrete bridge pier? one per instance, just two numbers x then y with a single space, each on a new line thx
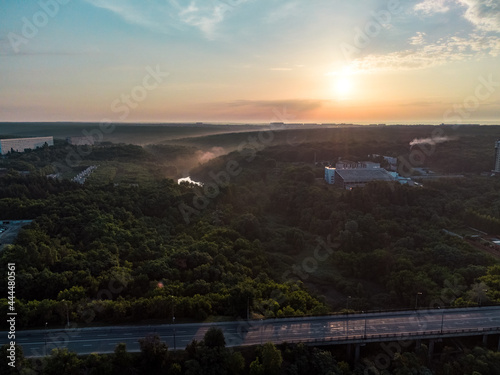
485 340
357 351
498 348
418 343
431 349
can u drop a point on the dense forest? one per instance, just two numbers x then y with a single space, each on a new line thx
265 232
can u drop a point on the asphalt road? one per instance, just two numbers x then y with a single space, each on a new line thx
8 237
319 329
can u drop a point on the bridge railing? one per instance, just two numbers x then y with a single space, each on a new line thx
399 336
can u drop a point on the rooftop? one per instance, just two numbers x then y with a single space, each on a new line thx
363 175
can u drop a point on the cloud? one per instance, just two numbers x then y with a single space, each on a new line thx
169 15
417 39
288 110
484 14
139 15
421 56
206 19
283 12
300 105
432 6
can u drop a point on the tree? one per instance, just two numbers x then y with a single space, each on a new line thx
121 360
62 361
10 365
214 338
256 368
154 355
97 364
235 364
271 359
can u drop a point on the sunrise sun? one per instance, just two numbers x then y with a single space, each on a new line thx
343 87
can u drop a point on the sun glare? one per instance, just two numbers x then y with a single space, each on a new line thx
343 87
341 83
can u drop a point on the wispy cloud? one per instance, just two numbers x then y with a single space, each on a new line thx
432 54
282 12
141 15
485 14
417 39
299 105
168 15
432 6
205 18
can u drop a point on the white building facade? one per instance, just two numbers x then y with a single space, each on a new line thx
330 175
22 144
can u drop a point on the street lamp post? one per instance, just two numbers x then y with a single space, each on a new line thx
173 323
416 300
442 321
347 318
45 347
261 326
67 313
173 320
480 295
365 329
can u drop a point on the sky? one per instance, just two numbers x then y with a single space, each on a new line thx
250 61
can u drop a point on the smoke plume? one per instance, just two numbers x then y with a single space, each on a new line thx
431 141
204 156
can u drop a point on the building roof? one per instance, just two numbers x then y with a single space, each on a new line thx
364 175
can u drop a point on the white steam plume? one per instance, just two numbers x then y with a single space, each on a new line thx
214 152
431 141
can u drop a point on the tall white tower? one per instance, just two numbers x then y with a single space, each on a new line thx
330 175
497 157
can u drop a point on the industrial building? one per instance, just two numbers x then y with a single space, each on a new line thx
346 164
393 162
330 175
23 144
358 177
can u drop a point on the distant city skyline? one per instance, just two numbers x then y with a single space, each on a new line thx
250 61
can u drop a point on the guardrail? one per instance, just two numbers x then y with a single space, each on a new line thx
362 338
